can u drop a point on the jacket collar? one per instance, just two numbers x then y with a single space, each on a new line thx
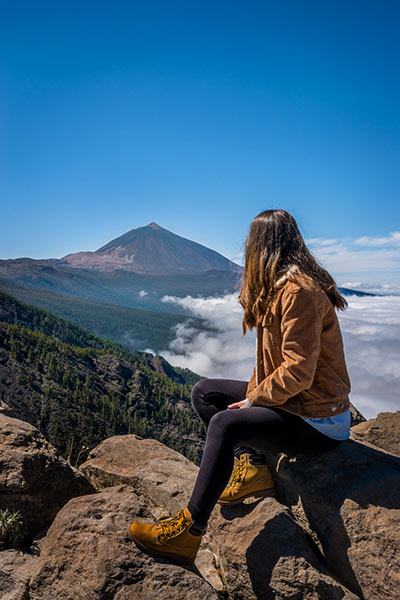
292 270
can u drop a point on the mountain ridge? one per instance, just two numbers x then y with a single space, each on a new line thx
153 250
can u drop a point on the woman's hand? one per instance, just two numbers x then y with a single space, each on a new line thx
241 404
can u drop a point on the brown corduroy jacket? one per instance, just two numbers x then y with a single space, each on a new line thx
300 365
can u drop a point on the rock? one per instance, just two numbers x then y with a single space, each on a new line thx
266 555
161 474
209 565
164 477
15 570
383 431
157 472
356 416
86 556
162 366
34 479
349 501
333 533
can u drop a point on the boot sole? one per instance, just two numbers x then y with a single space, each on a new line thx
180 559
261 494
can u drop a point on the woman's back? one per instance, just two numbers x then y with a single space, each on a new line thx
300 358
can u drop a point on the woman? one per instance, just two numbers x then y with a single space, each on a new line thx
296 400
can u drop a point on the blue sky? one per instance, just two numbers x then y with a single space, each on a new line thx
198 115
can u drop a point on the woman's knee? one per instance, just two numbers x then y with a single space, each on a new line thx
223 424
198 391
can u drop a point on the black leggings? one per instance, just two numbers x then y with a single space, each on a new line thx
232 431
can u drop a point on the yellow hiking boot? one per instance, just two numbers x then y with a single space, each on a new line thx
247 480
171 537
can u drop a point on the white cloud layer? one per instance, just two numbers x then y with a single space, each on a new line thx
371 333
386 289
225 353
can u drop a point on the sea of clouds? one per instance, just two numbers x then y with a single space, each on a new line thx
371 334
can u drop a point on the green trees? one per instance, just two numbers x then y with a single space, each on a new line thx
76 392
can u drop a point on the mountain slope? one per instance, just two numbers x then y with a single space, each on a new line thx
136 329
80 391
124 288
153 250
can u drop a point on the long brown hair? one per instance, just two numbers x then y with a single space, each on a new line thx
274 244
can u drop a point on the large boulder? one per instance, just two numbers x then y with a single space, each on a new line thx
34 479
264 551
383 431
86 555
348 499
266 555
161 474
333 533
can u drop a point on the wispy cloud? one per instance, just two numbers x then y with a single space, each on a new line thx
322 242
393 239
371 333
368 260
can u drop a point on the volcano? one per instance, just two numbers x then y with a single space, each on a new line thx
152 250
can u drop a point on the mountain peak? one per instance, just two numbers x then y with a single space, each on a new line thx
154 250
153 225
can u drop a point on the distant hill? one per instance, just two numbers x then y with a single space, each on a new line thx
349 292
123 288
153 250
79 389
134 328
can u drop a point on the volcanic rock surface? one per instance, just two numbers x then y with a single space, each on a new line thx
331 533
34 479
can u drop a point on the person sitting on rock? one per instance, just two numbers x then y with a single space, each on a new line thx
297 399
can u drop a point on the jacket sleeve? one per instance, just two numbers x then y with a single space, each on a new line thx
301 327
252 383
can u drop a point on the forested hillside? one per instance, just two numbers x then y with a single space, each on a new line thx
134 328
79 389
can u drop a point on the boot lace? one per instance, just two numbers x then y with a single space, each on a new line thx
170 526
240 472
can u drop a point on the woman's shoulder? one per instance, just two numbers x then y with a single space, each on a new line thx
295 280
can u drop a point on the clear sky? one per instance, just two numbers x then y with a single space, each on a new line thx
198 115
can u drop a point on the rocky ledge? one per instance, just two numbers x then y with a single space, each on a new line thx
333 532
